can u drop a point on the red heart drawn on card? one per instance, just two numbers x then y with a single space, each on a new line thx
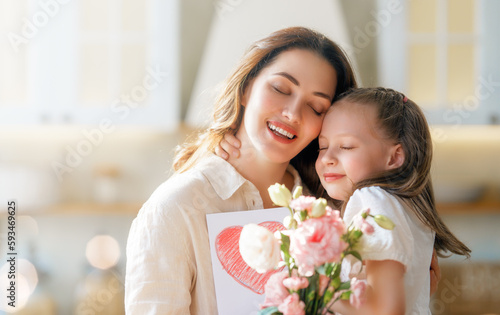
228 251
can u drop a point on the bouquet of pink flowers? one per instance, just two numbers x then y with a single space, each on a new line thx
312 248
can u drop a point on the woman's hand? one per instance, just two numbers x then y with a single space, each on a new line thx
435 273
229 146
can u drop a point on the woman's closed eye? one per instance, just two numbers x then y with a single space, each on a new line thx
318 113
280 90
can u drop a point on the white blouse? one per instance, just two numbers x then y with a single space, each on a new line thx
410 242
168 269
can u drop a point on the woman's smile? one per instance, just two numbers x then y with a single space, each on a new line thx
281 132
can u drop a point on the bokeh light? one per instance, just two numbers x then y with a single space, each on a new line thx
28 225
26 281
103 251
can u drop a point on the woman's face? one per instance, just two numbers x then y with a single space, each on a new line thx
286 102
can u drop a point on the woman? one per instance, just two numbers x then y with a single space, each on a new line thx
274 101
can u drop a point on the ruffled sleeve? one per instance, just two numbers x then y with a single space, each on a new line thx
383 244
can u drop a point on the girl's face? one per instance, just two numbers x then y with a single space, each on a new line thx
353 148
286 103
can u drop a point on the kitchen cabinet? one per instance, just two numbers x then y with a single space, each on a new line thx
89 62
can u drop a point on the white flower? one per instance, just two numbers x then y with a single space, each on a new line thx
297 192
259 248
319 208
280 195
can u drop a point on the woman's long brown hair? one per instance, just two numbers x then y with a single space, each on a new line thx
228 111
404 122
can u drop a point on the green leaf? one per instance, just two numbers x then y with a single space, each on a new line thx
327 297
345 295
285 245
313 282
310 296
357 234
269 311
355 254
345 285
285 240
336 271
336 283
303 215
329 269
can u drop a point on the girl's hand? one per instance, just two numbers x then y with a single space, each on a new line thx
229 146
385 292
435 273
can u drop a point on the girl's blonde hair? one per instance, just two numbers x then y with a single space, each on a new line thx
228 111
403 121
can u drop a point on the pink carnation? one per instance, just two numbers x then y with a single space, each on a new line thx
358 290
334 214
362 224
292 306
296 283
275 291
302 203
318 241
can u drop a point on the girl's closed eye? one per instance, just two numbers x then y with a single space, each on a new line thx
322 143
346 147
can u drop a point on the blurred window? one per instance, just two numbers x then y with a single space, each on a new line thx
442 62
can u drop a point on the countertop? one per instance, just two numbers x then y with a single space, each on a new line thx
486 206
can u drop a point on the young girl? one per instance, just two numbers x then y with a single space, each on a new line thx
375 152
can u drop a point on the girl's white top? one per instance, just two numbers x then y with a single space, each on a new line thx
410 243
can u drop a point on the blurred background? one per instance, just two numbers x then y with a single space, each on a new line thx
96 94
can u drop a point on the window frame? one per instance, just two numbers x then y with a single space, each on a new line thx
394 42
